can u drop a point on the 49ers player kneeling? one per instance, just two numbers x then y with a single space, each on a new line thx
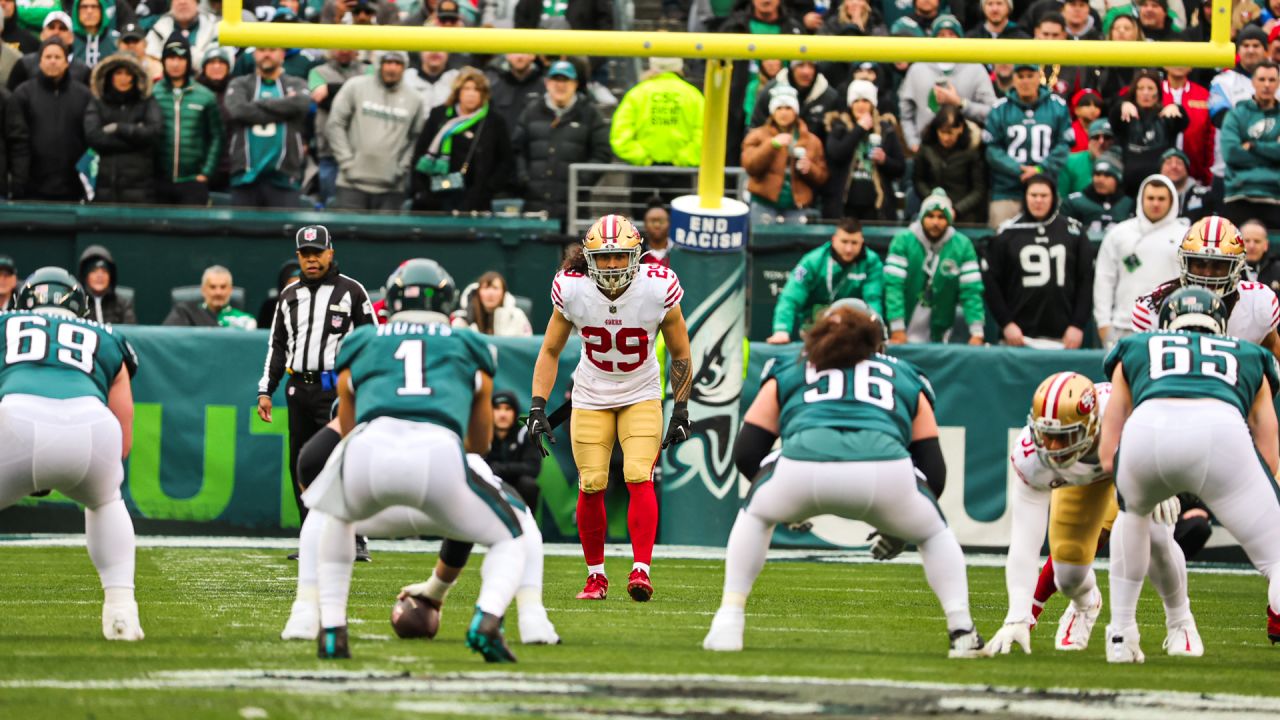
617 306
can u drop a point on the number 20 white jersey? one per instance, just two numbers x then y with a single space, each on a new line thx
617 367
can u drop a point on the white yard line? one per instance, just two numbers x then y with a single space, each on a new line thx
664 552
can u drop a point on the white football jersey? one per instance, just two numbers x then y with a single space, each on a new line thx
617 367
1253 317
1035 473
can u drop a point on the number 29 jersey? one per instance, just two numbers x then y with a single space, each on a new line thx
617 366
424 373
60 358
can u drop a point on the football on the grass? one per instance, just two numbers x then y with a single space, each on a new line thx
415 617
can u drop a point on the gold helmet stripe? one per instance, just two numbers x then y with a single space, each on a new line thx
1055 393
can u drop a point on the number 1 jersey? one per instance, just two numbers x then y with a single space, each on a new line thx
617 367
424 373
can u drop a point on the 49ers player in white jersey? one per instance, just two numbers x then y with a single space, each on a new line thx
617 306
1065 488
1212 256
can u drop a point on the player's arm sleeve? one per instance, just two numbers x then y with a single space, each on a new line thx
926 456
277 349
484 355
1144 316
1030 521
673 292
559 290
347 351
1113 359
130 357
754 443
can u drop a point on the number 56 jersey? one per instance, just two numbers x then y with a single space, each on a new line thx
617 366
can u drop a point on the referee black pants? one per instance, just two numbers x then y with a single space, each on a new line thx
309 407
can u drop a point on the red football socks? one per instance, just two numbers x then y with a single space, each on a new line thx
642 520
592 524
1045 588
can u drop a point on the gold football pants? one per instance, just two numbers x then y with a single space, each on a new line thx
637 428
1077 516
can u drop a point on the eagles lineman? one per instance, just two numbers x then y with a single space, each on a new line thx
618 306
846 415
66 423
1184 402
401 389
1056 457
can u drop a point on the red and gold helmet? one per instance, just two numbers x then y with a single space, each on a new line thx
1212 255
612 235
1064 418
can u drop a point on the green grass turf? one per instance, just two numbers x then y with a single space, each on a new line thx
223 609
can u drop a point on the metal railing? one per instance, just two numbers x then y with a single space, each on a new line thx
587 202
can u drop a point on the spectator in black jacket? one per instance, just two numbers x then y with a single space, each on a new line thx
12 34
1261 263
4 145
122 125
98 277
515 80
46 130
1145 127
215 74
864 157
462 144
57 25
1039 278
568 15
951 157
995 22
289 272
513 456
554 131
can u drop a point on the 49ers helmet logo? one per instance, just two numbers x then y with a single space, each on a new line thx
1086 402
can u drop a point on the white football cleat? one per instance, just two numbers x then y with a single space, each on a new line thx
536 627
966 644
726 630
120 622
304 622
1123 645
1184 640
1075 626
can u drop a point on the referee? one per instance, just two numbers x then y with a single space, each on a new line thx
312 317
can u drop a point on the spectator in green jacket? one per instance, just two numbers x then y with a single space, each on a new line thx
95 38
191 144
1250 143
659 122
931 272
1103 203
842 268
1077 174
1028 133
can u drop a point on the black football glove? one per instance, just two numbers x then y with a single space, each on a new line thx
538 425
679 429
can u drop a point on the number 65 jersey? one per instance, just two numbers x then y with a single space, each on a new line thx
617 366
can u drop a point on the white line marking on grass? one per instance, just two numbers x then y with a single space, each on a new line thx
662 552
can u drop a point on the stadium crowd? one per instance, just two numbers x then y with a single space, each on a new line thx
134 101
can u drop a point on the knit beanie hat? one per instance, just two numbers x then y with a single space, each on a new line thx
938 200
176 46
783 96
1175 152
863 90
1108 164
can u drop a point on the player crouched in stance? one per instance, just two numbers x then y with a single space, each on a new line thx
1184 401
1064 487
846 415
617 305
400 390
66 423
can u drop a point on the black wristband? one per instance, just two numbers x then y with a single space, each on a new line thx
681 406
538 403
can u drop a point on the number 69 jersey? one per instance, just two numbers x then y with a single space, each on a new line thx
617 367
424 373
1039 476
59 357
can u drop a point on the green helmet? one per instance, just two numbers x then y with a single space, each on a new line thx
53 287
1194 308
861 306
421 284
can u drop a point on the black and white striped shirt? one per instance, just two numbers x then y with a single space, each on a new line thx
310 321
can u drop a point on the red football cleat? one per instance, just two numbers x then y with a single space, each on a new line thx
597 587
1273 626
639 587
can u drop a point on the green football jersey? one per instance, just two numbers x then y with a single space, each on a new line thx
416 372
820 409
1193 365
59 357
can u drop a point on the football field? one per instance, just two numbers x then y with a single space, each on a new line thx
828 636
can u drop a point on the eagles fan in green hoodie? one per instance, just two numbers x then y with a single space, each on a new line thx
844 267
1027 133
193 136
